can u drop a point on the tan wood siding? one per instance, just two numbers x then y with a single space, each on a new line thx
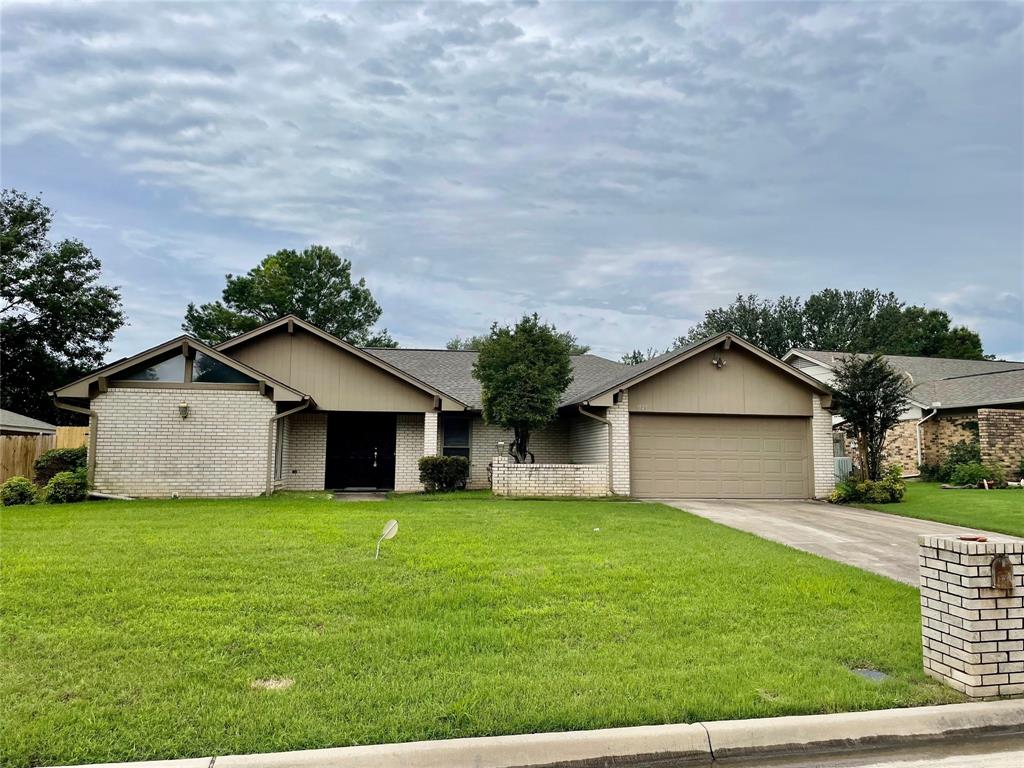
720 457
337 380
745 386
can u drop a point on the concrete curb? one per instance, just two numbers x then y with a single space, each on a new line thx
693 744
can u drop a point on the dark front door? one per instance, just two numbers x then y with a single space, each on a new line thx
360 450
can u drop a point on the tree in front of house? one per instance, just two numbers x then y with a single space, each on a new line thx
864 321
472 343
870 395
523 371
314 284
56 319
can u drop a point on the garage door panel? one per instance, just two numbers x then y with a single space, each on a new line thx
677 456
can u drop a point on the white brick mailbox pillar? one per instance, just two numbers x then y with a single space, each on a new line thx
972 613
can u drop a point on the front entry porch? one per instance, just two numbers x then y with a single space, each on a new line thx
360 451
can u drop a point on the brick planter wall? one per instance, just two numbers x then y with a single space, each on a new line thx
972 635
145 448
1001 435
511 479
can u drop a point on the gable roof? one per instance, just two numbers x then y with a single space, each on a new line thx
405 374
953 382
634 374
80 387
451 370
15 422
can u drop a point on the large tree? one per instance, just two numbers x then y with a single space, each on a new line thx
865 321
56 319
523 371
473 343
314 284
870 395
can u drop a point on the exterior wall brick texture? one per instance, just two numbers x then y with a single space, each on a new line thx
409 442
511 479
972 635
144 447
304 457
822 448
1001 435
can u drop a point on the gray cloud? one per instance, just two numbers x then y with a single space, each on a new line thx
619 166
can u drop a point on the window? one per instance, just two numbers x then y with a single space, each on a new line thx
206 369
172 369
456 436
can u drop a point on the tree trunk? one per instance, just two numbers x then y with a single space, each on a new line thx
862 450
520 445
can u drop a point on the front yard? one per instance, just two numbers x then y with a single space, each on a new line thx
136 630
1001 511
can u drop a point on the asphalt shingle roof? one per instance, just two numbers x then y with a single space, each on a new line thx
451 371
952 382
16 422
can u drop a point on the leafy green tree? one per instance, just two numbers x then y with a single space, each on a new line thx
314 284
472 343
523 371
864 321
56 319
870 395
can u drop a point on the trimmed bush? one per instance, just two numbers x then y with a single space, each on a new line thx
444 473
18 490
59 460
888 490
67 487
975 472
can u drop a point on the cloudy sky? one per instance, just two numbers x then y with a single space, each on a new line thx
618 167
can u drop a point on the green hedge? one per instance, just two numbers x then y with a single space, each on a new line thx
444 473
59 460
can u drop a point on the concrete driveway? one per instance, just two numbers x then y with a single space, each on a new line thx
874 541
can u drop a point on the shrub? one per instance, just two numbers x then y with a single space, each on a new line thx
888 490
66 487
975 472
931 473
18 490
59 460
444 473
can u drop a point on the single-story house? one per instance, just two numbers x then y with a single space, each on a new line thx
12 423
289 406
952 400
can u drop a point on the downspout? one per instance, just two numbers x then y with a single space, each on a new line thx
607 423
94 426
271 427
917 431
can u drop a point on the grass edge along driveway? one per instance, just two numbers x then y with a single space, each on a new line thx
135 630
999 511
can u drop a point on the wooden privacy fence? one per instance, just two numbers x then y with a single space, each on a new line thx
18 453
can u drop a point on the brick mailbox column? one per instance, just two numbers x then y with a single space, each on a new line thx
972 614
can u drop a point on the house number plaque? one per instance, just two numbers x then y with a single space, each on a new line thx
1002 572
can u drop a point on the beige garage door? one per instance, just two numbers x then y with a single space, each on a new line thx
724 457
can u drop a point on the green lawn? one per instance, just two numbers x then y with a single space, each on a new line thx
1001 511
134 630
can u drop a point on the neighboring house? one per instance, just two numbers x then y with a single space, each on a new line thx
289 406
952 400
12 423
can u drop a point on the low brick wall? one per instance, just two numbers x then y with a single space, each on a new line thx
511 479
1001 435
972 634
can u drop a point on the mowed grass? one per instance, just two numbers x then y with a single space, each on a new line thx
134 630
1001 511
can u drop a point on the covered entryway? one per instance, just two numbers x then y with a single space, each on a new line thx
720 457
360 451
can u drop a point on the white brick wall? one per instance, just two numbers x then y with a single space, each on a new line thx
305 451
430 433
824 461
618 415
511 479
408 450
972 635
145 448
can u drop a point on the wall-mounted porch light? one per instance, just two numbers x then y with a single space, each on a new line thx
183 409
